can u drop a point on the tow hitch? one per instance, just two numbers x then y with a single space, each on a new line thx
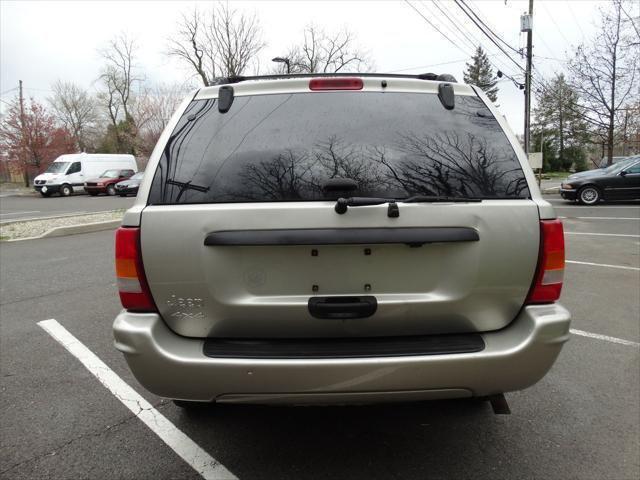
499 404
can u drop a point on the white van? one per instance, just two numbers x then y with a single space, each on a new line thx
67 174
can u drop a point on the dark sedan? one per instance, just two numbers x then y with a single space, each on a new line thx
130 185
620 181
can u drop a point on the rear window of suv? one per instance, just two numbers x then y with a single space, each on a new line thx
283 147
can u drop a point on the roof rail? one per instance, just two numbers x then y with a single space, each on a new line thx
445 77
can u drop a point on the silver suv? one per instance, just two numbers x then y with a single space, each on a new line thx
336 239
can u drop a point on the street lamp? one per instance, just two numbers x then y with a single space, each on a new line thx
283 60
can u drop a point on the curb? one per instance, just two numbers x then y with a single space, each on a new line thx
6 194
53 217
74 230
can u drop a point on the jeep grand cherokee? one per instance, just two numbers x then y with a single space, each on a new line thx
320 239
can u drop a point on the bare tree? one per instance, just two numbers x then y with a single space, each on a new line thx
109 97
325 53
75 108
119 74
220 42
120 82
605 73
192 47
153 110
238 39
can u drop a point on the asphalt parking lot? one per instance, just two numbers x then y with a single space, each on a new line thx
58 421
15 207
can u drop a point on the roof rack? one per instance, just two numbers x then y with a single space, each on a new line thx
444 77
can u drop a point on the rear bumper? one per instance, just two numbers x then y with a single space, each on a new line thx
172 366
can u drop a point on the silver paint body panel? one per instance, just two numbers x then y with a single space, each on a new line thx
262 292
175 367
231 291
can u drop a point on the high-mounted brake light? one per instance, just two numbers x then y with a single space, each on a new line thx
341 83
132 283
547 283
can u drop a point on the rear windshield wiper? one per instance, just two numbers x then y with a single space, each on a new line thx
342 204
437 198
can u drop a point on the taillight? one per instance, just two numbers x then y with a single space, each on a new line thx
336 83
550 273
132 283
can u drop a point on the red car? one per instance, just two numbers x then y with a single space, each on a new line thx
106 183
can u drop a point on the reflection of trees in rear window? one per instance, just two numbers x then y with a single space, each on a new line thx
455 163
284 147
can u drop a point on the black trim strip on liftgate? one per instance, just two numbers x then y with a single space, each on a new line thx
413 236
302 348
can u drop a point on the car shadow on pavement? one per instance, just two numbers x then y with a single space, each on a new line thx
436 439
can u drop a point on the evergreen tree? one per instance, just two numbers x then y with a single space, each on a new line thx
560 120
479 72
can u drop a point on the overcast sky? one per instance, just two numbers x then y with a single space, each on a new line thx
45 41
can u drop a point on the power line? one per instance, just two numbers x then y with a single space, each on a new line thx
39 89
533 79
8 91
474 42
436 28
457 46
551 58
554 22
429 66
541 38
457 2
573 16
490 30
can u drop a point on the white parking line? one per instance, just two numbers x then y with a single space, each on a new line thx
19 213
602 234
559 204
602 218
623 267
606 338
186 448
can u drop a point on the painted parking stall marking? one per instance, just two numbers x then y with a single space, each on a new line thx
601 218
175 439
602 234
605 338
622 267
563 204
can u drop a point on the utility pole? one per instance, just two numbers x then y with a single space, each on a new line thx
528 27
25 173
542 151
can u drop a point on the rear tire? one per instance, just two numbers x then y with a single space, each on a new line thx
65 190
589 195
111 190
